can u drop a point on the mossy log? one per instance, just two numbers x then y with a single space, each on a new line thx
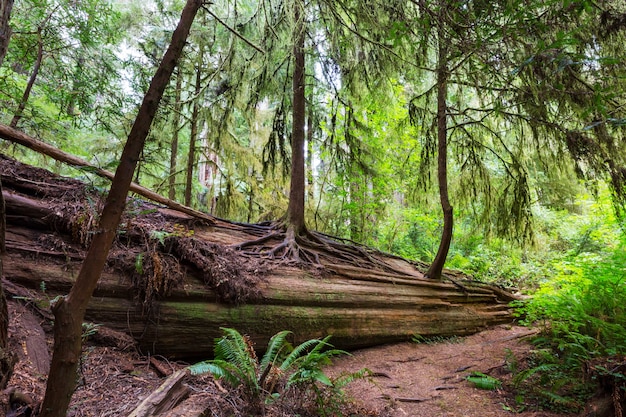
358 308
358 305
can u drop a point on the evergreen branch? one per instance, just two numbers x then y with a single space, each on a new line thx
234 31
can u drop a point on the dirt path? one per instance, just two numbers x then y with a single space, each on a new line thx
429 379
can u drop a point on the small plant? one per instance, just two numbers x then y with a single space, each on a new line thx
483 381
582 315
281 368
89 329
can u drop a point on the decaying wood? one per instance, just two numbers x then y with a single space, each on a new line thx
165 398
359 307
19 137
194 406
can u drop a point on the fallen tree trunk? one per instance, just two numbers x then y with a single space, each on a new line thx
358 306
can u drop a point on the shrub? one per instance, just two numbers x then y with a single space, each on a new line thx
283 370
582 314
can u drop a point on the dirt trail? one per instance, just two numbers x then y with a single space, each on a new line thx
429 379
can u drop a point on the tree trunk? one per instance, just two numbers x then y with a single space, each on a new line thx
31 82
436 267
5 29
70 311
358 307
295 210
6 359
178 108
193 136
310 175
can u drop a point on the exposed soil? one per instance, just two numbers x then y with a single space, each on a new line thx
409 379
429 378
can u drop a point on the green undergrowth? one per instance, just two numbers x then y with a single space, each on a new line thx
284 378
581 313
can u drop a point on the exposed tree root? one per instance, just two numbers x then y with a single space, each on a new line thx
281 242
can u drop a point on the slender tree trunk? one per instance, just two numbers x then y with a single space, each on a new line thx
250 199
178 108
295 210
442 160
5 29
355 208
69 311
31 82
193 136
309 153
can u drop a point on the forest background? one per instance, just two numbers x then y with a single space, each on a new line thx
533 104
508 115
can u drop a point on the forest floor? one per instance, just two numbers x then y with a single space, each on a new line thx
430 378
408 379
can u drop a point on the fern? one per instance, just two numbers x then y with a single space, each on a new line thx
527 373
237 364
484 381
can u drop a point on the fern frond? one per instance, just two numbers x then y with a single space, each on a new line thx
557 399
275 347
483 381
220 370
527 373
347 378
297 353
236 349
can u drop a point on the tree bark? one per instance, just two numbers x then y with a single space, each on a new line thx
193 136
166 397
295 210
359 307
178 108
6 360
70 311
6 6
436 267
310 175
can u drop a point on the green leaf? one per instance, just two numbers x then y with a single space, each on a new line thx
483 381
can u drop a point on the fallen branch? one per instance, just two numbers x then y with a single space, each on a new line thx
165 398
21 138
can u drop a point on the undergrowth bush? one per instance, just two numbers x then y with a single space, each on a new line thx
582 316
284 377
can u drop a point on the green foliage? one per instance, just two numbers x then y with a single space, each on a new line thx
583 306
582 314
483 381
89 329
281 368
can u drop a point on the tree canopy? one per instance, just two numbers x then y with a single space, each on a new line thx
529 109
